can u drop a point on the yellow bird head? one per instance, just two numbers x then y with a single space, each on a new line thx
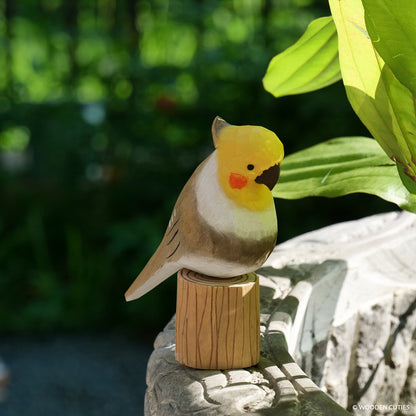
249 159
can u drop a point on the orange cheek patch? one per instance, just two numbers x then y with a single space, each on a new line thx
237 181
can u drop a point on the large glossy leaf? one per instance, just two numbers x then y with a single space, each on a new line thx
310 64
343 166
391 26
384 105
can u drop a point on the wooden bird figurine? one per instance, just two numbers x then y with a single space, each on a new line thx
224 221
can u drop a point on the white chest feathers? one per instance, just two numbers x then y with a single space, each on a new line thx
226 216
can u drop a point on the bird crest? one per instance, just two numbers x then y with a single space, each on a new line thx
217 126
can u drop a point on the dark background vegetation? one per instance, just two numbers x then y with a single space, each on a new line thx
105 110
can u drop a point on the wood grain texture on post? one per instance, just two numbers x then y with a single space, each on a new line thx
217 321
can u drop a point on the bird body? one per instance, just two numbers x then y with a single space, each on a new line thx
224 221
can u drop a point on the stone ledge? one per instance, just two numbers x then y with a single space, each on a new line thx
338 303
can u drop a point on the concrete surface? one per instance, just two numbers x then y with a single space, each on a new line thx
74 375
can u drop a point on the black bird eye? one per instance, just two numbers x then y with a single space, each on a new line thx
250 167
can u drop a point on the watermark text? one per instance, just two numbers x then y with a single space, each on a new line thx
395 407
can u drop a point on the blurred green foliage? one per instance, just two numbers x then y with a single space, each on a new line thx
105 110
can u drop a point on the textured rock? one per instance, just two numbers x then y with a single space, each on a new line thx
338 303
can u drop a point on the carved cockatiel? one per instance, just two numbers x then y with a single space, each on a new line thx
224 221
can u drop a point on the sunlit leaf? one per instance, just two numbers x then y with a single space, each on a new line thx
91 88
343 166
310 64
167 43
14 139
384 105
409 183
391 26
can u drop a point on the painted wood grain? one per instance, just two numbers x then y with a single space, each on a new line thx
217 321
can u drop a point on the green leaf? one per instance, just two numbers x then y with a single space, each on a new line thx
384 105
392 29
408 181
343 166
308 65
14 139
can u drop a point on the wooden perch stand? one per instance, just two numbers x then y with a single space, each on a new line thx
217 321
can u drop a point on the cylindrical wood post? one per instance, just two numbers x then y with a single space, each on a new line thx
217 321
